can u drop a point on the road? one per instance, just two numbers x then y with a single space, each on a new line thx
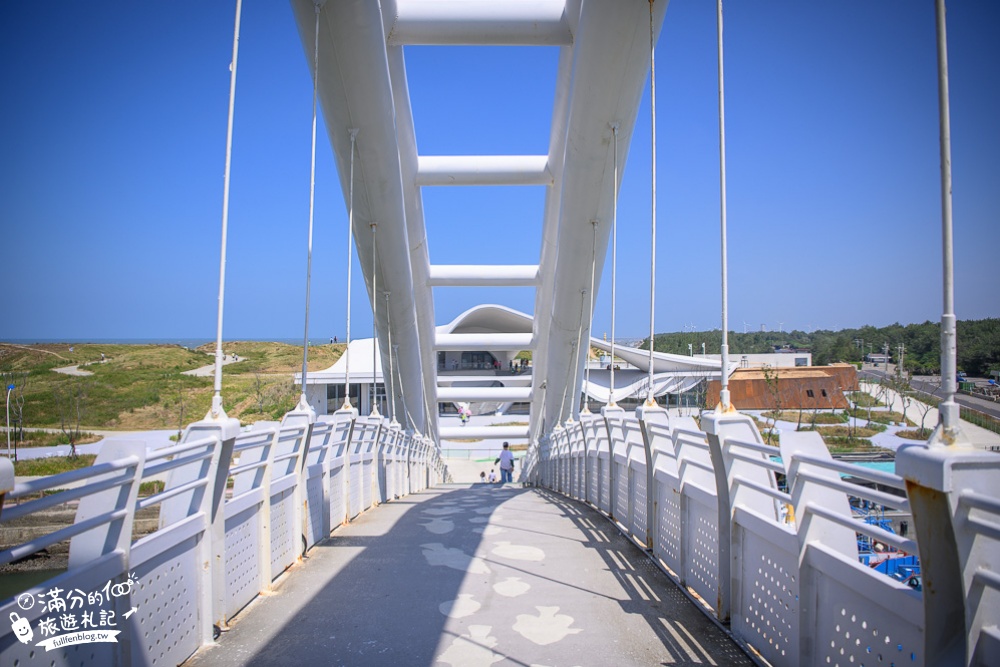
931 385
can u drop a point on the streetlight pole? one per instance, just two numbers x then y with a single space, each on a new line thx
10 388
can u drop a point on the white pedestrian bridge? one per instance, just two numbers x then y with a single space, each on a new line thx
629 538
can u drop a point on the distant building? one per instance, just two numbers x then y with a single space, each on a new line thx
809 388
673 374
785 358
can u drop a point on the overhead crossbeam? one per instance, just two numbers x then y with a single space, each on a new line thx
491 342
498 432
466 22
474 275
498 394
483 170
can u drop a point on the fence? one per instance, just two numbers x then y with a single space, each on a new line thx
235 512
764 537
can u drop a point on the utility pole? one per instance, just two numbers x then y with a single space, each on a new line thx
10 388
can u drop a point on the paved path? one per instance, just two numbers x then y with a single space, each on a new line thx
209 371
73 370
475 576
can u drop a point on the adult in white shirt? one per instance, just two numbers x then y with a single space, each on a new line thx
506 461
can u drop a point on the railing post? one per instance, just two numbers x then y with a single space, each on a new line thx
718 426
304 419
388 461
586 461
648 415
212 587
953 497
6 480
115 535
610 412
813 529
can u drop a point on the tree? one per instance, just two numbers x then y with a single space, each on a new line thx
70 400
182 409
900 384
771 380
258 387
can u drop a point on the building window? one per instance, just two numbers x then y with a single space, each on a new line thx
801 361
477 360
335 396
809 393
823 391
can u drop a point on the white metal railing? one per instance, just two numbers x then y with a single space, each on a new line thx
767 539
234 513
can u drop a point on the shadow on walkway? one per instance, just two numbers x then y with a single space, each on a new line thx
475 575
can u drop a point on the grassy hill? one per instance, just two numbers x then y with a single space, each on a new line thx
143 386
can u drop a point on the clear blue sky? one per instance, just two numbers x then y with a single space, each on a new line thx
112 136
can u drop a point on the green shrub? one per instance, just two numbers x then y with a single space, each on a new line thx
52 465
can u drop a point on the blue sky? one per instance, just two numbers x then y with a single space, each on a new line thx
112 132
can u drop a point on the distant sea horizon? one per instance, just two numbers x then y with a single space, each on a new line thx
182 342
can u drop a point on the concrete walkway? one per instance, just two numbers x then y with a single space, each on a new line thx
73 370
209 371
475 575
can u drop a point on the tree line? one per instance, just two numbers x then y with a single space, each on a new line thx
978 344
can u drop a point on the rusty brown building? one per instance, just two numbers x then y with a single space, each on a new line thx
809 388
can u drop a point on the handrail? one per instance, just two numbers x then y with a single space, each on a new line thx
874 532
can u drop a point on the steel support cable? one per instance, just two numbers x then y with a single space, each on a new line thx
614 266
392 383
579 345
303 401
593 270
402 397
724 391
652 262
350 242
949 409
216 411
374 412
575 345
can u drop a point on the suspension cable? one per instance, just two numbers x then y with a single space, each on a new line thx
652 263
593 270
303 401
724 391
374 412
614 267
575 345
392 384
350 243
579 348
216 411
949 409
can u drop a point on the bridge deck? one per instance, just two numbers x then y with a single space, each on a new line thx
475 575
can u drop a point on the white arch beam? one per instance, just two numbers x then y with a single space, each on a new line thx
355 92
611 54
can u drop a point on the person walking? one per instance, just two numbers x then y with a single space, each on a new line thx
506 461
